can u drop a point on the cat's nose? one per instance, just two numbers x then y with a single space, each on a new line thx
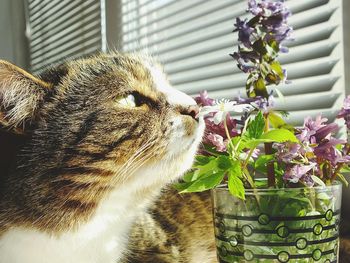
192 111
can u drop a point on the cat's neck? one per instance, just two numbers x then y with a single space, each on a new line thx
102 238
66 204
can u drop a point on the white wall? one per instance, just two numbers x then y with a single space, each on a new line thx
346 17
13 43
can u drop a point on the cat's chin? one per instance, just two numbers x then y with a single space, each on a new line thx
178 159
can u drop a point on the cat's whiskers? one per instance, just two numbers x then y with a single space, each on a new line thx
139 152
137 164
125 170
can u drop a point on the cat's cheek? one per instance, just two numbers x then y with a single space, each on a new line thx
184 134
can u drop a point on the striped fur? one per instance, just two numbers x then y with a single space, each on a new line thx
86 165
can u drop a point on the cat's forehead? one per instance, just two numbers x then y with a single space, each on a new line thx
139 73
149 73
173 95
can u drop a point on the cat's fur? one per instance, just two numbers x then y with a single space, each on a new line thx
87 164
176 229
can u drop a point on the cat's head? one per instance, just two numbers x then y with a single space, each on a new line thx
110 116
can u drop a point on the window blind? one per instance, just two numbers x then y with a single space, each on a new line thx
193 40
60 29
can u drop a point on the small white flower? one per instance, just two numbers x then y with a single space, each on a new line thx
222 107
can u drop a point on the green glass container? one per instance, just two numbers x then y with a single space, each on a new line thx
278 225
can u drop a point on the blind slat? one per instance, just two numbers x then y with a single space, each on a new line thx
93 34
63 29
66 43
302 69
89 47
70 15
194 20
309 51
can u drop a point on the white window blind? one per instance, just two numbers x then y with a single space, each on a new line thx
193 40
59 29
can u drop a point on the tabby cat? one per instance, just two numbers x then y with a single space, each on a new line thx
97 139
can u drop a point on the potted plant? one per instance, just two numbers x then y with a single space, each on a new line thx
275 188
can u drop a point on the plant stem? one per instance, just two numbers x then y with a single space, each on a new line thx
228 133
271 178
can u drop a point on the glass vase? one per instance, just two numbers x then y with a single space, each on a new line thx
278 225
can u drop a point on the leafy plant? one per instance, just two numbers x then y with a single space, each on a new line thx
247 139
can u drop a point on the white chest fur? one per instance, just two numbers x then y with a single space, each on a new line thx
101 240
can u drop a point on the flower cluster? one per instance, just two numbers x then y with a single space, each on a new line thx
317 154
246 138
261 40
225 119
236 129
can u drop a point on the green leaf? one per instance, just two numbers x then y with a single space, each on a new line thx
253 21
261 183
260 88
211 150
264 69
262 161
235 184
259 46
202 159
276 68
248 86
345 169
181 186
223 162
272 79
235 168
279 135
203 183
202 170
343 179
274 45
318 180
256 127
236 140
276 120
270 53
188 177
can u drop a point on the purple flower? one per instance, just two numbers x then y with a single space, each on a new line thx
260 40
253 7
327 150
217 141
286 152
203 99
314 125
245 56
310 127
244 32
265 104
266 8
299 172
326 131
219 129
345 111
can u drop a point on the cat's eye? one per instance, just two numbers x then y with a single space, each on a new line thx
128 101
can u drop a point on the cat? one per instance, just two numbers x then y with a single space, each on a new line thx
94 142
175 229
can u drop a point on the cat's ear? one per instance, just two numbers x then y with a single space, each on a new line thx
21 94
